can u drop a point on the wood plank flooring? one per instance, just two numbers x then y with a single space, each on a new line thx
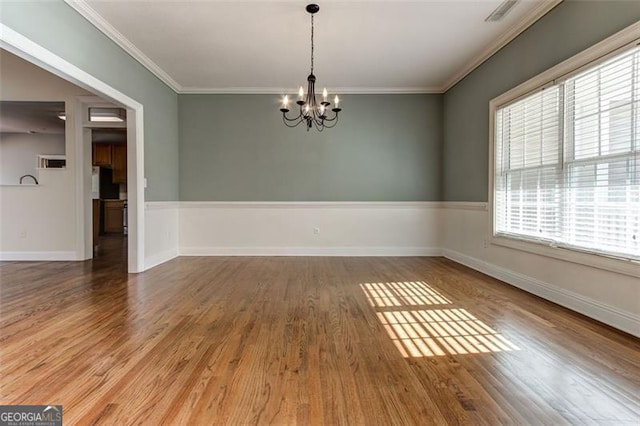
300 340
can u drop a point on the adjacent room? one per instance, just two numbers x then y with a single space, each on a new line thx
351 212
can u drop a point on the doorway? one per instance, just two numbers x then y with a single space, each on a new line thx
25 48
109 189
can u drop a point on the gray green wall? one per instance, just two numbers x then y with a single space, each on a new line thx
57 27
387 147
236 148
566 30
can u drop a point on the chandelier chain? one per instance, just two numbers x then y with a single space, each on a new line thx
312 48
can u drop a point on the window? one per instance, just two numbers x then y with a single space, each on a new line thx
567 161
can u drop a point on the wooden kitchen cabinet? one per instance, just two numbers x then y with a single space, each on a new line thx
114 157
102 154
119 163
114 216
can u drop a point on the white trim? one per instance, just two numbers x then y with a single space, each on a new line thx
309 204
465 205
280 90
135 181
518 28
30 51
91 15
160 258
110 31
310 251
623 320
621 266
39 256
161 205
84 205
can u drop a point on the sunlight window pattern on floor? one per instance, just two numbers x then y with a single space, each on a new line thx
419 332
440 332
407 293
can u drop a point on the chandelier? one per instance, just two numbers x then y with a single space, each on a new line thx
312 113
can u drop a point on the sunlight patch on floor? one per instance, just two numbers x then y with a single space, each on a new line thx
406 293
440 332
419 332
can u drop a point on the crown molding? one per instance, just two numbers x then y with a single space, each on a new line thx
518 28
281 90
87 12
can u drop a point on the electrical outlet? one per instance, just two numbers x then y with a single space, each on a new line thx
23 234
316 230
485 243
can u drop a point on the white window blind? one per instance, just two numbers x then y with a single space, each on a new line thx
567 161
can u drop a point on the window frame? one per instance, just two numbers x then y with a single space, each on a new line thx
600 52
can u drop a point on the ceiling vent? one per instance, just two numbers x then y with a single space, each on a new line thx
501 10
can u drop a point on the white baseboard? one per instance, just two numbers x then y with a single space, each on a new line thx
38 256
159 258
310 251
623 320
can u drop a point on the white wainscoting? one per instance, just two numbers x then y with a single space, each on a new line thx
161 232
607 296
310 228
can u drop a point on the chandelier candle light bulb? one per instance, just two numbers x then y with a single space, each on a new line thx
312 113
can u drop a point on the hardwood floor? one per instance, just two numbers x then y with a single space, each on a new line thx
255 340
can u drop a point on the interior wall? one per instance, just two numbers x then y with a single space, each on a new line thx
236 148
39 222
566 30
60 29
19 154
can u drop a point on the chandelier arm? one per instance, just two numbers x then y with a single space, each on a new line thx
284 115
334 118
290 125
319 126
334 121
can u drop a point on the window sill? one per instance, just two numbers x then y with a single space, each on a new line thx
621 266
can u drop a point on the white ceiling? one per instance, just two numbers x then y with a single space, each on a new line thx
31 117
262 46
